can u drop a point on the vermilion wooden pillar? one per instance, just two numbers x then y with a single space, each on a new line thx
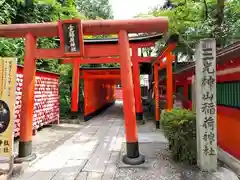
169 82
156 93
75 85
133 156
29 71
136 84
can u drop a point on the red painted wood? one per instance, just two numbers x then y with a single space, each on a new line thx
127 87
97 93
75 86
168 50
91 61
169 81
28 89
107 71
91 51
228 130
156 93
108 77
105 60
136 81
90 27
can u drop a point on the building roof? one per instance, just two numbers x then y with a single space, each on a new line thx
150 37
227 53
40 70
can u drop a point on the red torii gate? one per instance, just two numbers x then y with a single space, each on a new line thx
158 64
92 27
107 52
99 89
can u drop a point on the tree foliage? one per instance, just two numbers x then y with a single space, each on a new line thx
179 127
95 9
37 11
197 19
19 11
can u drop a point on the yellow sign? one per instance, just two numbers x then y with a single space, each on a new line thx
8 70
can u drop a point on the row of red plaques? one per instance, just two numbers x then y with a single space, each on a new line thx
46 102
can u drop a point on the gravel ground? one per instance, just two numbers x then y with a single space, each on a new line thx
159 164
157 167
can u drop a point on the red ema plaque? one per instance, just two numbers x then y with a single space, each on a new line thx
71 37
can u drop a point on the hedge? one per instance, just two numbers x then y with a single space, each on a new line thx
179 126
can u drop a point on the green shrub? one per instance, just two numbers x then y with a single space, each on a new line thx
179 128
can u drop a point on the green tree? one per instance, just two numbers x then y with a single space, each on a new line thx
94 9
20 11
37 11
196 19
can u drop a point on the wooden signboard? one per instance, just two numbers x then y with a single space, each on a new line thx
71 37
8 69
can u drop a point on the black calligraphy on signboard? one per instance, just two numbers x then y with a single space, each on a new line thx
4 146
4 116
208 106
71 37
5 74
9 77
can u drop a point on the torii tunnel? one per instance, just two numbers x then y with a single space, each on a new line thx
107 46
73 49
99 89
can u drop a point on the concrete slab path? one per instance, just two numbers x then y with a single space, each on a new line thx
90 154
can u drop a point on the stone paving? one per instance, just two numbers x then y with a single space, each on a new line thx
90 154
49 138
93 151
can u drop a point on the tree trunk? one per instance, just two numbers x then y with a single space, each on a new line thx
219 21
28 3
220 12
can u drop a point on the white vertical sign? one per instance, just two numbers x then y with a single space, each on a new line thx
71 38
206 104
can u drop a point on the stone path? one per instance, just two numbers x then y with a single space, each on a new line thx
94 152
90 154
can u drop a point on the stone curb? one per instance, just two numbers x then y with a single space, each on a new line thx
230 161
17 170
